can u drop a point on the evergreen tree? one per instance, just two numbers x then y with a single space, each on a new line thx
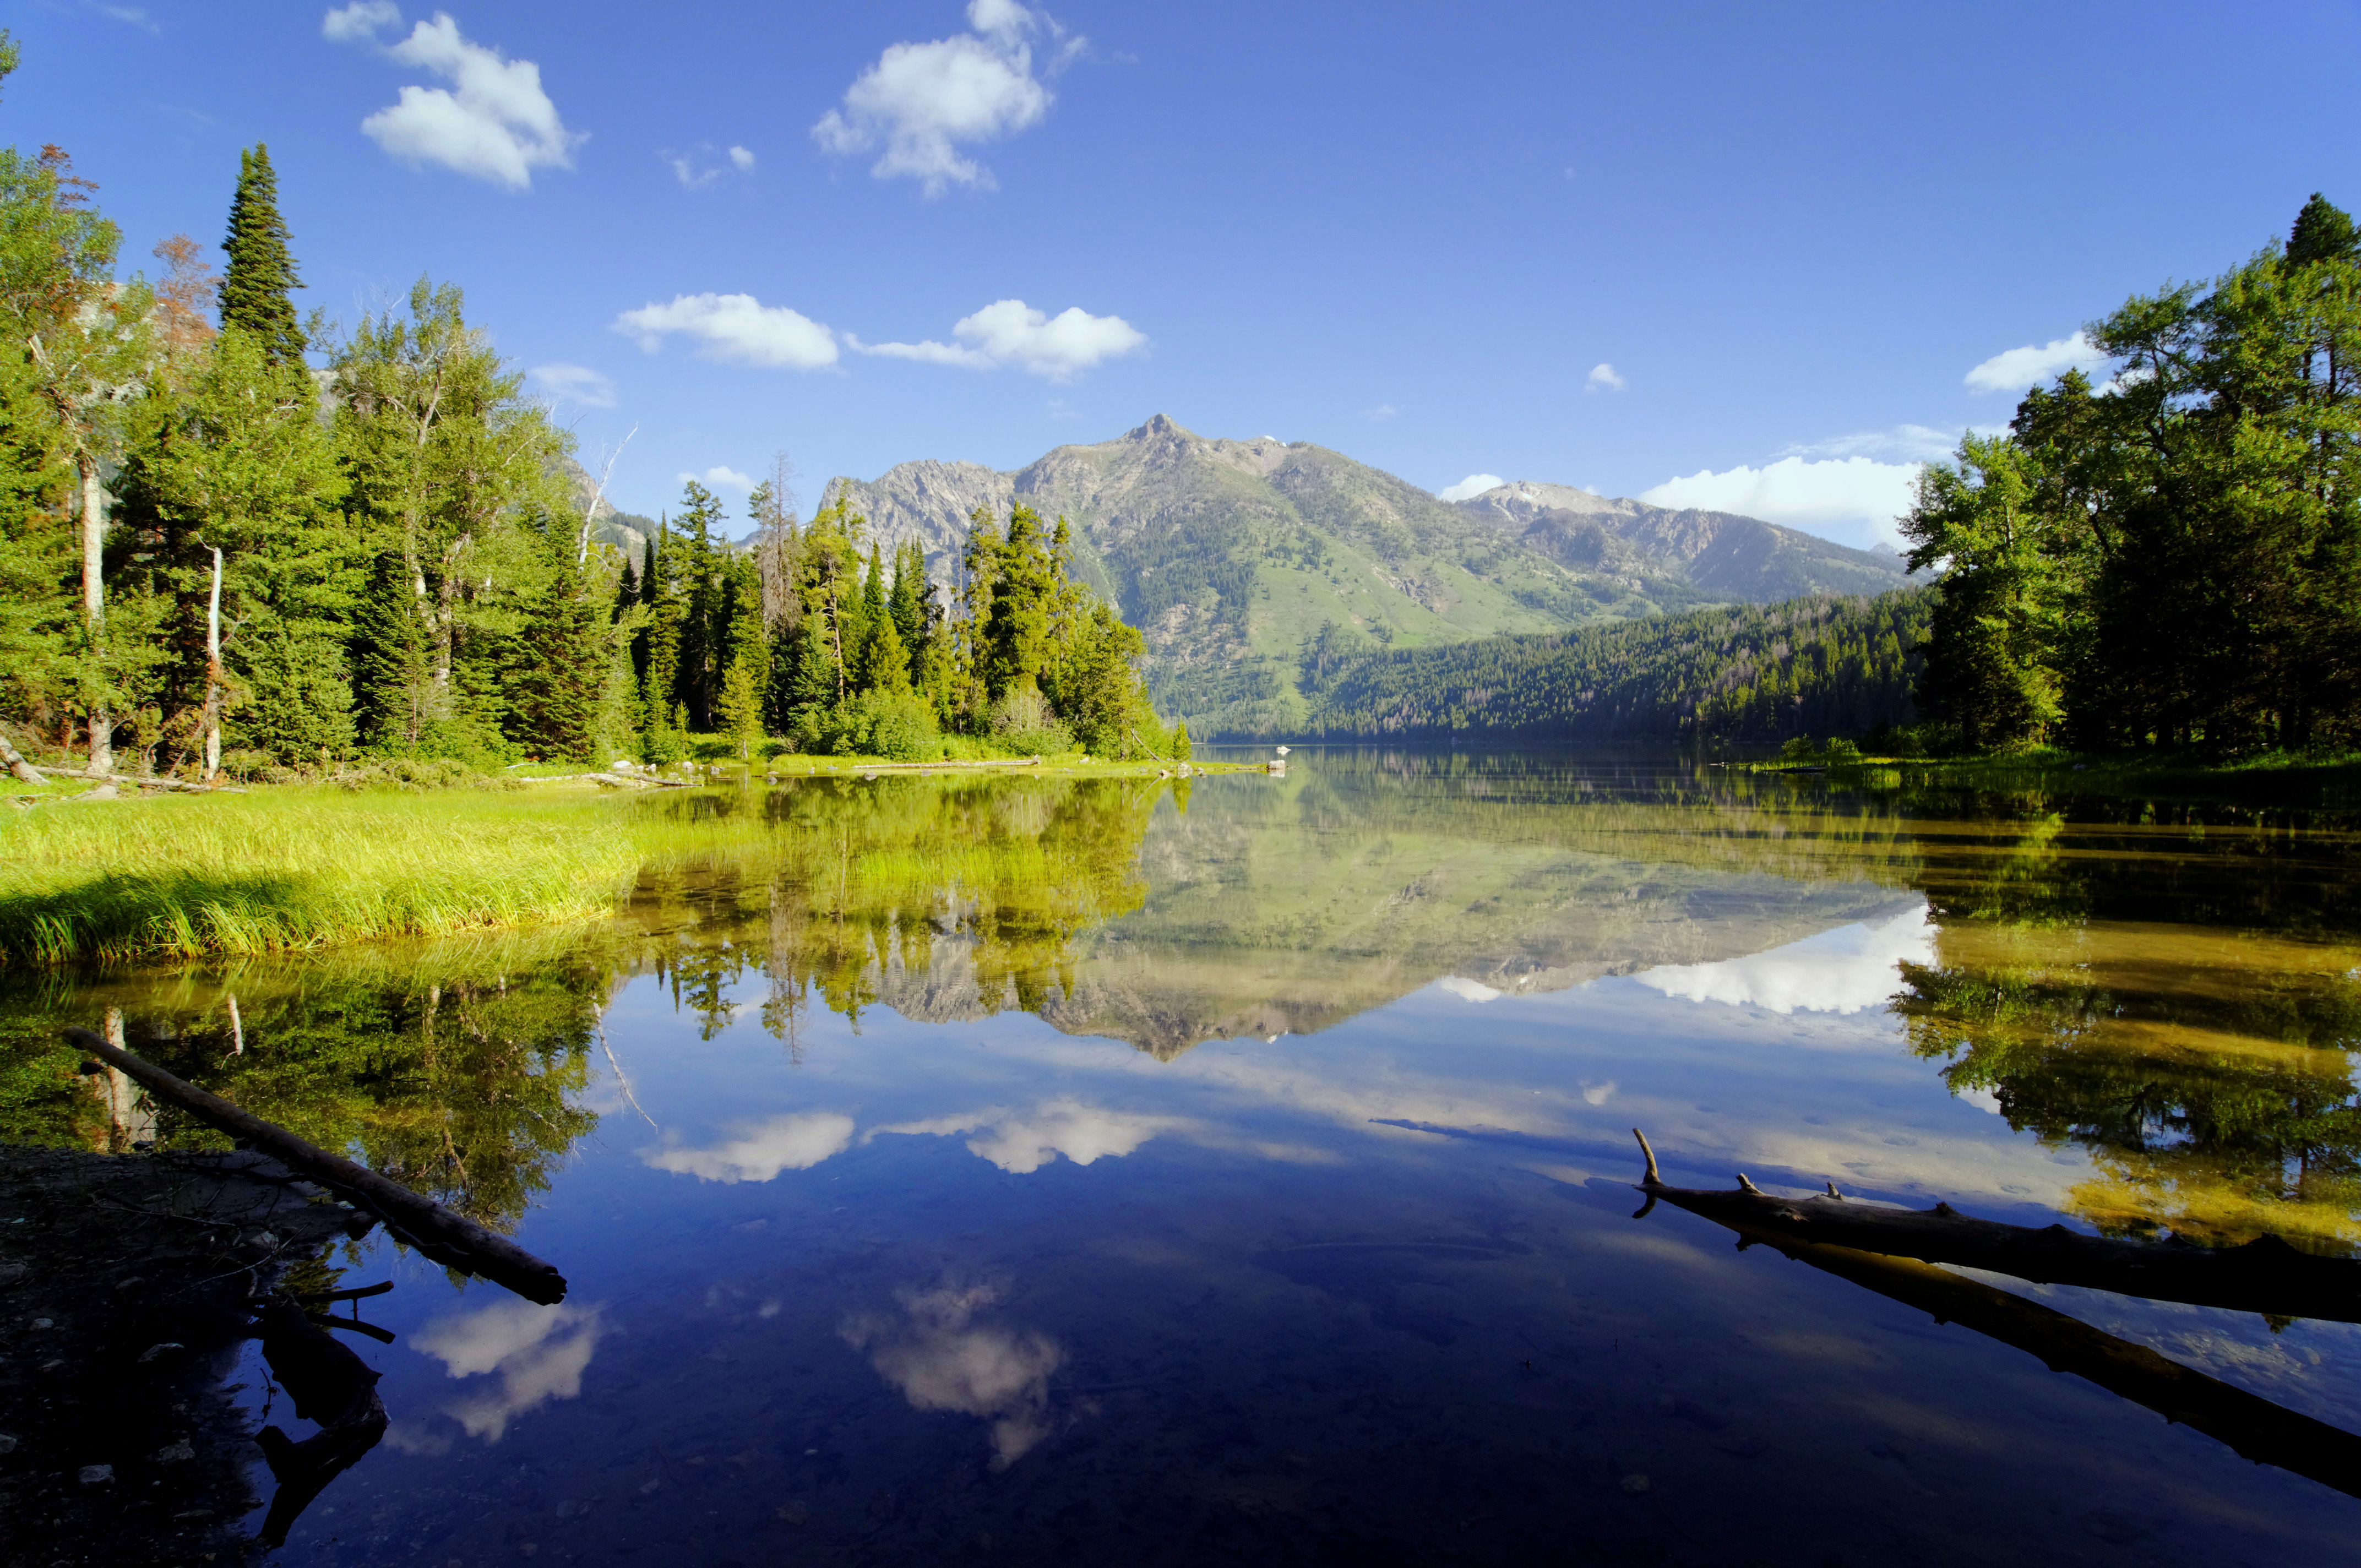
554 695
261 272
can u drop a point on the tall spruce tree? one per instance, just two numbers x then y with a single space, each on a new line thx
261 273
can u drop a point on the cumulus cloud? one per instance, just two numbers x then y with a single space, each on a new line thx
1021 1141
921 100
573 384
1856 496
2020 368
1843 971
940 1360
535 1354
720 476
359 22
734 327
494 122
760 1152
1010 332
1472 485
1602 378
742 159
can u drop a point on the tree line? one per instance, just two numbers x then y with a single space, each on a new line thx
226 528
1745 674
2169 557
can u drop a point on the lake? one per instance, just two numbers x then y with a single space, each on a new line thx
1241 1169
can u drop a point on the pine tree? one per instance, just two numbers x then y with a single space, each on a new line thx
261 273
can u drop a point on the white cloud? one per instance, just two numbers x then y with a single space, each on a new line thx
941 1363
1467 989
573 384
693 169
1473 485
1023 1141
1843 971
1602 378
360 21
920 102
761 1152
1857 495
134 16
2020 368
737 327
1904 443
539 1352
499 125
1010 332
1379 414
720 476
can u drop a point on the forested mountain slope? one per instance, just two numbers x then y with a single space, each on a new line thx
1744 674
1233 556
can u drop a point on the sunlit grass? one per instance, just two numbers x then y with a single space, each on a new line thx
281 870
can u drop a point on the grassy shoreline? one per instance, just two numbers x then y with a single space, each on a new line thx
290 867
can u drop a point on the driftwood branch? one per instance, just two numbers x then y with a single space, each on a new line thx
2252 1426
2265 1275
447 1238
329 1385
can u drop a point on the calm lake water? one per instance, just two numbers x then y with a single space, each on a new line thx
971 1171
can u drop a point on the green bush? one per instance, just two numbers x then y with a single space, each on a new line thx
1023 721
897 725
1799 750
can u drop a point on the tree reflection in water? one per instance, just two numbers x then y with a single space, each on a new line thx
2080 987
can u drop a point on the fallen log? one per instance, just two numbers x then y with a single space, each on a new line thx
450 1239
24 771
2264 1276
144 781
2253 1427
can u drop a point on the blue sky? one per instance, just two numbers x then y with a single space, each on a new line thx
1740 256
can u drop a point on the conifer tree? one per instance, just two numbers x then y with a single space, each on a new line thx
261 273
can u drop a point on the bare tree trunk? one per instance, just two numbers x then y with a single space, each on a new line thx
93 603
213 675
590 512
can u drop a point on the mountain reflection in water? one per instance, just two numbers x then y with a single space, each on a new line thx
1057 1168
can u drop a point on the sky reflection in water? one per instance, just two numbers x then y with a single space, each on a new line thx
1258 1184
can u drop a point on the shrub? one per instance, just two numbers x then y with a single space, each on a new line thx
1023 721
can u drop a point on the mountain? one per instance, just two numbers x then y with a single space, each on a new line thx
1234 557
1721 553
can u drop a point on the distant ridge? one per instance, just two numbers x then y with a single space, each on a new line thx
1234 557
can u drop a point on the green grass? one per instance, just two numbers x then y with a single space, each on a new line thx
278 869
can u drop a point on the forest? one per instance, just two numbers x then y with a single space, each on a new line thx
235 537
2168 558
1743 674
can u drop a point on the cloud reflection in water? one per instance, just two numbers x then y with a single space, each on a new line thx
1022 1142
538 1353
1843 971
760 1152
940 1362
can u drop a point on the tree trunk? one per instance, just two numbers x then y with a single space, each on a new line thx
93 603
213 675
